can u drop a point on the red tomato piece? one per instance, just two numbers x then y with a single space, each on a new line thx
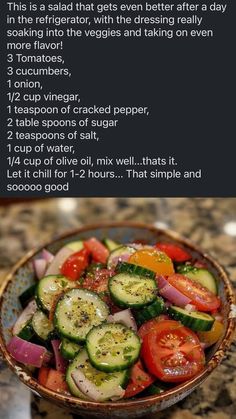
175 253
99 252
43 375
73 267
172 354
139 380
158 325
151 325
56 381
200 296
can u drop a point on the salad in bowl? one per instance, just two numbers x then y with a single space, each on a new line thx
107 320
120 319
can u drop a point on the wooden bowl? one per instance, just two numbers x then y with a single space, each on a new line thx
21 277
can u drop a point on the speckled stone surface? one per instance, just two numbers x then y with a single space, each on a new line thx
207 222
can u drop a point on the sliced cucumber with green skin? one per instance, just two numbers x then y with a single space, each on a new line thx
132 291
132 269
76 246
71 384
41 325
151 311
112 347
202 275
77 311
93 384
27 295
69 349
110 244
195 320
49 288
151 391
27 332
156 388
120 254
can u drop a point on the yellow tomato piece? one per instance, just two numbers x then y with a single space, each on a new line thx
154 260
213 335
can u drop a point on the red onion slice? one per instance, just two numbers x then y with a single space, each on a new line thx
26 352
48 357
92 391
168 304
40 266
136 246
125 317
58 260
24 317
200 264
122 257
61 363
140 246
48 256
217 316
116 259
204 345
169 292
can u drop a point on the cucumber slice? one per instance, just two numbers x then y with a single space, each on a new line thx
69 349
132 290
151 391
27 295
205 277
95 385
49 288
156 388
132 269
71 384
110 244
41 325
27 332
195 320
120 254
112 347
77 312
149 312
76 246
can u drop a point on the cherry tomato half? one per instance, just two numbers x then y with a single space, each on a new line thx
73 267
154 260
176 253
200 296
139 380
151 325
99 252
172 353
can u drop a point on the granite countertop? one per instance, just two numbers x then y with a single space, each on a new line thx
211 223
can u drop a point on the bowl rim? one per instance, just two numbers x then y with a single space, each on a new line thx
185 387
